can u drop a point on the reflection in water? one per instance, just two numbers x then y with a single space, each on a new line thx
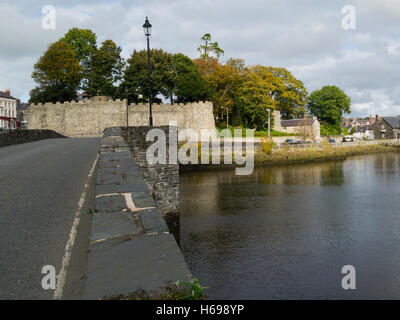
286 232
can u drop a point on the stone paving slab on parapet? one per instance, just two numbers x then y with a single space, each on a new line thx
143 199
115 156
113 149
122 188
113 225
115 177
114 140
152 221
125 167
112 146
112 131
121 267
117 202
109 204
126 164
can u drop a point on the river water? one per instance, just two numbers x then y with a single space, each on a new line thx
286 232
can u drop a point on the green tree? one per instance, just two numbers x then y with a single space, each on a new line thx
106 68
223 82
290 93
209 47
238 64
175 77
329 104
83 43
253 96
57 74
188 85
206 66
135 80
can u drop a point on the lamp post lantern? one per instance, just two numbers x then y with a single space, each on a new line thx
147 32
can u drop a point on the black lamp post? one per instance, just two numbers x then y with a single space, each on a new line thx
147 31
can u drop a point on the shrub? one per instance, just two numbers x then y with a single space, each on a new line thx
330 130
178 291
267 145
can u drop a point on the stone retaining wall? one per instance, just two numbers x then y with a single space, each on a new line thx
162 179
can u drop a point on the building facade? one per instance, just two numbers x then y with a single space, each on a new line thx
357 124
364 133
22 114
8 111
387 128
308 127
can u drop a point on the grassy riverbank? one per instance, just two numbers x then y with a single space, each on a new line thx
257 133
329 153
300 156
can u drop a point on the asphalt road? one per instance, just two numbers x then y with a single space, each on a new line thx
41 184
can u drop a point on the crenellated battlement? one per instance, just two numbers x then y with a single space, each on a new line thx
89 117
86 101
109 101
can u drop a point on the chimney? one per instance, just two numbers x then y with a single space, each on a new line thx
8 92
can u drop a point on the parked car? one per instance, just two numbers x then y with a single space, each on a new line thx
291 141
348 139
332 141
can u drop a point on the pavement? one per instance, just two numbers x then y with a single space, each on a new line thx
41 184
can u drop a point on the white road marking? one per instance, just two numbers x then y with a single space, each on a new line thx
131 205
108 195
129 202
61 277
97 241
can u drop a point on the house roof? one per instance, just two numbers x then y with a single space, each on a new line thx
364 128
22 106
5 95
394 122
296 122
372 126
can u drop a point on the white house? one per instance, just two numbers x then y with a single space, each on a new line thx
364 133
8 111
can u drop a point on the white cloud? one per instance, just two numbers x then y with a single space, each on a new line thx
393 48
305 36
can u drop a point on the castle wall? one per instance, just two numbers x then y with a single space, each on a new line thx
89 118
276 115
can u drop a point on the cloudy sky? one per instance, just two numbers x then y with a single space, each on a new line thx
304 36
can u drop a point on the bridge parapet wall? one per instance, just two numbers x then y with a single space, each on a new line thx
8 138
130 245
